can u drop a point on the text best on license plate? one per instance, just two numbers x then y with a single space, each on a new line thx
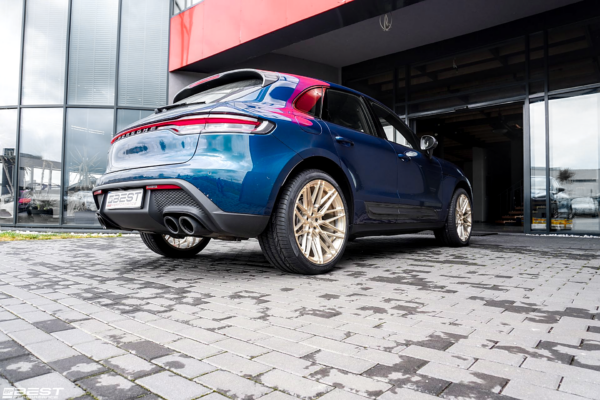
124 199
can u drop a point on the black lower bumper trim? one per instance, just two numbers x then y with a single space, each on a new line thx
192 203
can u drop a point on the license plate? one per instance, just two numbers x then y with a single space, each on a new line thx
124 199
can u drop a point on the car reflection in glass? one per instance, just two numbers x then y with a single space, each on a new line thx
560 202
585 206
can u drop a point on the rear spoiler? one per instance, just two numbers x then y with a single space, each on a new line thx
223 78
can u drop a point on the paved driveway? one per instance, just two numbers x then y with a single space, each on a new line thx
510 316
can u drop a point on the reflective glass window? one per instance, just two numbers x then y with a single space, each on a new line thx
395 131
143 53
89 132
45 51
10 47
128 117
345 110
93 51
8 140
575 162
40 153
537 117
573 53
471 78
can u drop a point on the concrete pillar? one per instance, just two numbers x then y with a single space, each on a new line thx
479 184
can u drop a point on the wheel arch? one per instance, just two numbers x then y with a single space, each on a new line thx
462 184
330 167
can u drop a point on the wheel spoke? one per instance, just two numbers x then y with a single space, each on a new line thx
330 220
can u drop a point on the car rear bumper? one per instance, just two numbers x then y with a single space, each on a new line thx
187 201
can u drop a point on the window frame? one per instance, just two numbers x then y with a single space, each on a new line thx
412 139
372 131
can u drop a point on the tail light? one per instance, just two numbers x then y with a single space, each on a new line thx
216 123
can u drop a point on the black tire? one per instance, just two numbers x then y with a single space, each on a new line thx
159 245
278 241
448 235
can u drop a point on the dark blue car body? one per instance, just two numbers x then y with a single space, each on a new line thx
235 178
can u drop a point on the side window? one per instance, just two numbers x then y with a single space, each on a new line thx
310 101
395 131
346 110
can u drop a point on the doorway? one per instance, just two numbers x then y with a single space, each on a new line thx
487 144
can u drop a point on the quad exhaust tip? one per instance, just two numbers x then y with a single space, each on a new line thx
172 225
190 226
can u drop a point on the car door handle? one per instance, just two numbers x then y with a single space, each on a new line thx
344 141
408 155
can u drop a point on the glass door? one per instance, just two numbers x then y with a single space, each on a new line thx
574 170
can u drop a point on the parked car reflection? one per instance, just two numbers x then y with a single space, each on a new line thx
585 206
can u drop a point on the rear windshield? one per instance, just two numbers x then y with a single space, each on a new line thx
223 92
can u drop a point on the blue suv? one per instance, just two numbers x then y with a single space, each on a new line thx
301 164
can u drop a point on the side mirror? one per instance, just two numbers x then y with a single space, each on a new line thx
560 189
428 144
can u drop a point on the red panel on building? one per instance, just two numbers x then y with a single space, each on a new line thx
214 26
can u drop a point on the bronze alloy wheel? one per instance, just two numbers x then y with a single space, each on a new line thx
464 218
319 221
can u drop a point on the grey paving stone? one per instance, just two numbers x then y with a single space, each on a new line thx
74 337
458 375
77 367
51 350
9 349
236 364
24 367
286 346
458 391
537 378
241 348
184 365
339 394
14 325
351 382
53 325
233 386
99 350
580 388
525 391
287 363
147 350
111 386
194 349
346 363
131 367
294 385
55 381
171 386
437 356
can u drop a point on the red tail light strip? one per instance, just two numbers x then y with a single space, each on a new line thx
97 192
239 120
162 187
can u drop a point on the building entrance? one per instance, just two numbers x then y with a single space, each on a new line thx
487 144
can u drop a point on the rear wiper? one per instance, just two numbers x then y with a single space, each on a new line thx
165 108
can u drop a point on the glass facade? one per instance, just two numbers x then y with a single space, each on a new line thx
8 144
11 20
84 69
520 114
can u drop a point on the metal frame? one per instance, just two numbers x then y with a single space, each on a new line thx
65 106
